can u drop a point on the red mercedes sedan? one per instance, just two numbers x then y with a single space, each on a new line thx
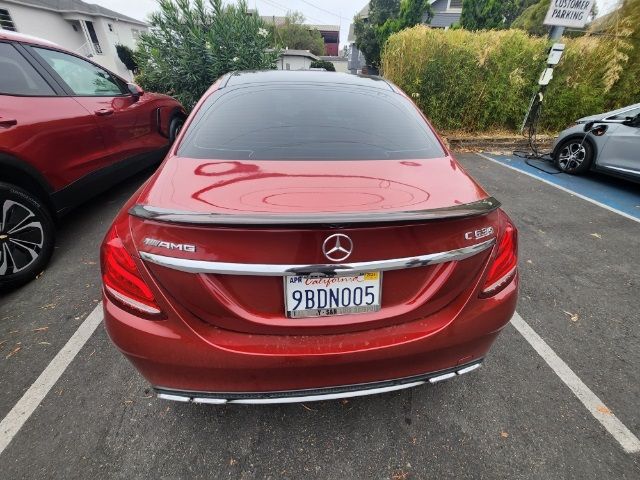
69 129
308 237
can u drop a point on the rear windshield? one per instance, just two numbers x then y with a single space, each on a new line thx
308 122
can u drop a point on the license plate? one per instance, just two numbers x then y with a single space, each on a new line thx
313 296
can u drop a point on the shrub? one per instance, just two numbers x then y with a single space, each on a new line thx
295 35
327 65
476 81
126 56
190 45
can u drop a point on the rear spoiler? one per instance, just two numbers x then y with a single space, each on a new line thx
148 212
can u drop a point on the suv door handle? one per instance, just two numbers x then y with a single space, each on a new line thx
103 112
8 122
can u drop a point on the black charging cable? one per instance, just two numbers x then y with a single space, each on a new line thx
534 154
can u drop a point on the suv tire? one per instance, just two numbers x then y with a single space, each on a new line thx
27 236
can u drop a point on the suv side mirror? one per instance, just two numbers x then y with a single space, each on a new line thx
135 91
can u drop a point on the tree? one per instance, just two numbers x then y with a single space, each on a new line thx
491 14
367 40
411 13
387 17
294 34
191 44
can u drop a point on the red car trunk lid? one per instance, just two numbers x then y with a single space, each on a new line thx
302 190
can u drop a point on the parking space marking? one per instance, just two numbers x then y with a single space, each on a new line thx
20 413
24 408
590 400
564 189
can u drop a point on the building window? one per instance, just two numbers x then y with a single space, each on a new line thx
135 33
456 4
110 27
5 21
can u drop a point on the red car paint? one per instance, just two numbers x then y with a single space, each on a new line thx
228 333
57 140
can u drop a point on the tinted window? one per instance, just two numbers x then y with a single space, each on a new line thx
624 115
83 78
314 122
17 76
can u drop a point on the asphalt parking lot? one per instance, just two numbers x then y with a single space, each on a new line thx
523 415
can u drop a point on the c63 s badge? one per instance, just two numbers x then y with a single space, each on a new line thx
478 234
183 247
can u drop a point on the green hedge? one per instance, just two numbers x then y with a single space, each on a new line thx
477 81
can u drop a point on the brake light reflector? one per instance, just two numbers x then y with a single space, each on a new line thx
503 268
121 277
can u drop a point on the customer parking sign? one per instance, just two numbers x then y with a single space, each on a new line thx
569 13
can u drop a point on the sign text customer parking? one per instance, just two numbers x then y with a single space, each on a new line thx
569 13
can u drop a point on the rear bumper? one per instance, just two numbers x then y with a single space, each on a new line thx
314 395
189 357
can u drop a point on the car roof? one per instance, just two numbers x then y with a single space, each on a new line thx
21 37
305 77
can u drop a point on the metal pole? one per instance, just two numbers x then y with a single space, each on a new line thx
556 33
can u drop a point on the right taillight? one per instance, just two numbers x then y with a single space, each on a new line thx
504 265
122 280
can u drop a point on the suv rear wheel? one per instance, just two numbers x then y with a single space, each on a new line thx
175 126
26 236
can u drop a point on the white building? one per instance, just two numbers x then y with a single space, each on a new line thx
295 60
84 28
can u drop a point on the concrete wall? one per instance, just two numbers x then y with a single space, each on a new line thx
341 65
58 28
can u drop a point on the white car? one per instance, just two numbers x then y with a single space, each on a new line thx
608 142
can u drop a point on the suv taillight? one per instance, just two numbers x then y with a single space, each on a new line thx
121 278
504 265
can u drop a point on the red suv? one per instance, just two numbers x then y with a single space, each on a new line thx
69 129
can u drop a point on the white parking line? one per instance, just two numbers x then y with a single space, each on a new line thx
22 410
20 413
559 187
590 400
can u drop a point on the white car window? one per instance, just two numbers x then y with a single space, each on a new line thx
83 78
622 116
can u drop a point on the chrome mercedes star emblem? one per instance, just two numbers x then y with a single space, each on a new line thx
337 247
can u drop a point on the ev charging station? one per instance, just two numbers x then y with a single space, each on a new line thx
561 14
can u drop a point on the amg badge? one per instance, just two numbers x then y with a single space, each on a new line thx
183 247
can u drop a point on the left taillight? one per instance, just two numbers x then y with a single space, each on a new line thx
504 265
122 280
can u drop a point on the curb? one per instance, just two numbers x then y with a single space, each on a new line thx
498 144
